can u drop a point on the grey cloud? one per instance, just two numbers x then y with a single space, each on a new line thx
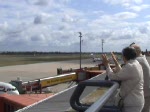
38 2
144 30
124 37
90 36
35 38
42 2
38 20
13 41
106 34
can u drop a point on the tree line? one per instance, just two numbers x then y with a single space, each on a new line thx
41 53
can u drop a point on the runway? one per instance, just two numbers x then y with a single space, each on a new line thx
40 70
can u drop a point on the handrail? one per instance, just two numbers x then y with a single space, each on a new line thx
74 100
97 106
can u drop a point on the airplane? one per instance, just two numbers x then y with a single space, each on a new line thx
95 59
8 88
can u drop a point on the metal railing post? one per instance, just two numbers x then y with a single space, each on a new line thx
74 100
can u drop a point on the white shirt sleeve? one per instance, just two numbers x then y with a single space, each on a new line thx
117 68
122 74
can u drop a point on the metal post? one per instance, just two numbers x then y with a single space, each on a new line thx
99 104
102 44
80 35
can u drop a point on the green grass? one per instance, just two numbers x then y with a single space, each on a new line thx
7 60
20 59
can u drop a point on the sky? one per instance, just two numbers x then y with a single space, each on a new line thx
54 25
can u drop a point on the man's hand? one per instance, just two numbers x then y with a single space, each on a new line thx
115 59
105 60
118 67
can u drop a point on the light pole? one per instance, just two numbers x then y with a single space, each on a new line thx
80 35
102 44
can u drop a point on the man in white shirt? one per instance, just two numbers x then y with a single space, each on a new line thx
131 77
146 74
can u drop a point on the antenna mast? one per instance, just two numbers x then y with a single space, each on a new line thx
102 44
80 35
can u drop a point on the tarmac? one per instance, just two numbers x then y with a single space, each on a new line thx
40 70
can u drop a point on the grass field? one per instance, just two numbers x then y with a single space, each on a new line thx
7 60
20 59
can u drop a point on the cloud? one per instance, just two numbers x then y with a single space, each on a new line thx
53 25
38 20
147 16
113 21
123 2
144 30
119 33
138 8
38 2
37 38
125 15
42 2
134 5
42 18
67 18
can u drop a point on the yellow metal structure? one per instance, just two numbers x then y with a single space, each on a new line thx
45 82
92 68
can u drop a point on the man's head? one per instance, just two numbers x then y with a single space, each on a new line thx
128 53
137 49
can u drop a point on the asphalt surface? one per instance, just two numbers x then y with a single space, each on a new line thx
40 70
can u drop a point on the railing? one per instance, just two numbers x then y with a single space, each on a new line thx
99 104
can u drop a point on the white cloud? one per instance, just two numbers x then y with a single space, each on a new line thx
134 5
138 8
52 25
113 21
125 15
147 17
67 18
122 2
